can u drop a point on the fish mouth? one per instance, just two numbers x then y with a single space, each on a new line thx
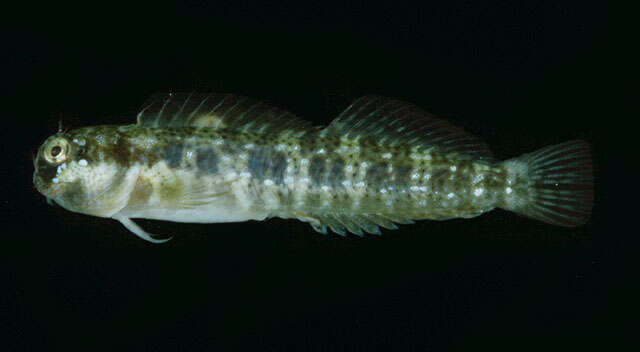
46 189
37 182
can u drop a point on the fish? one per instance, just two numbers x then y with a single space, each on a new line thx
216 158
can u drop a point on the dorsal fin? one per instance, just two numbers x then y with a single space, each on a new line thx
394 122
218 111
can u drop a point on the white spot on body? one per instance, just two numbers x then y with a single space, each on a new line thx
451 195
509 190
325 188
268 182
453 168
349 168
54 180
346 183
321 151
427 157
386 156
82 162
414 176
60 168
478 191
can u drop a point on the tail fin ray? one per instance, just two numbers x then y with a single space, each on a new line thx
559 182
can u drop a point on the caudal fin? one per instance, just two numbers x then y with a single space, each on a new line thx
553 184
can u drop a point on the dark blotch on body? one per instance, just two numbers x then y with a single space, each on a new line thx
316 171
121 152
336 175
207 161
173 154
256 163
266 163
278 165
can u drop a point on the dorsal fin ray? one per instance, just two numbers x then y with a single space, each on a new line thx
393 122
218 111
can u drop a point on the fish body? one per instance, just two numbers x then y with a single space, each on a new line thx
223 158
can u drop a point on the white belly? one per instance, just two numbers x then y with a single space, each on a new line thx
205 215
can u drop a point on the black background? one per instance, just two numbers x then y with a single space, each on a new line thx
521 75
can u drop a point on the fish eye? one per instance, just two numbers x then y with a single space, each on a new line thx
57 151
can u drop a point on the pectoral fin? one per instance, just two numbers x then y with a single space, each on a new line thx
138 231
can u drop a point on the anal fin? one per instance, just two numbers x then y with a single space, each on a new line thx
343 223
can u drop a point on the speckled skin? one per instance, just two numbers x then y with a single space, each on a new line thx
301 177
221 158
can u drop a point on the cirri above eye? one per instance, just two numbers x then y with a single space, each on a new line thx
57 151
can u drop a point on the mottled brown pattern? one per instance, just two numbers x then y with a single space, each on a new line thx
382 161
141 193
383 185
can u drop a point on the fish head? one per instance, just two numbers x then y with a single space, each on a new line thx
73 170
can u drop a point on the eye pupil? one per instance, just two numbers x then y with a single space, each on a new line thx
55 151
